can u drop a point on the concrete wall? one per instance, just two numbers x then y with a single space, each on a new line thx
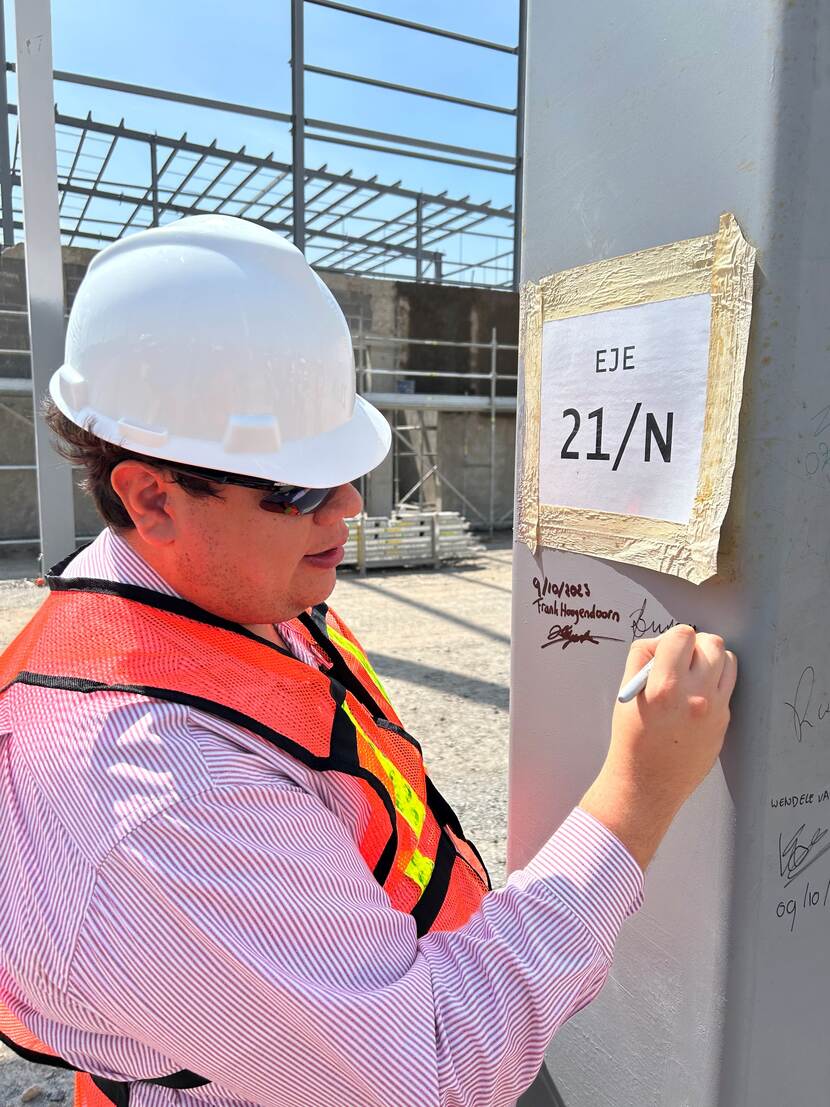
464 456
372 307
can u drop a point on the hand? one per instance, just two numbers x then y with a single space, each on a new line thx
666 740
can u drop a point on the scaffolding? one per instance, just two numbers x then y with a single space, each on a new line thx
414 418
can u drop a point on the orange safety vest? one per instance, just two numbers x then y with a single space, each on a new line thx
93 635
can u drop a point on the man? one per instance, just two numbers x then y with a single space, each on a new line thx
224 868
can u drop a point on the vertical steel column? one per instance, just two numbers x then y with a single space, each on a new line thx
5 161
494 357
419 239
361 543
298 121
520 143
154 180
44 268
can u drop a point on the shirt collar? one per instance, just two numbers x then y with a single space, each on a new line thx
111 557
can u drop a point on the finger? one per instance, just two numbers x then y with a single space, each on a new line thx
729 675
675 650
709 657
641 652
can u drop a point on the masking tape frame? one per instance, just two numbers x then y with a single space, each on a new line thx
721 264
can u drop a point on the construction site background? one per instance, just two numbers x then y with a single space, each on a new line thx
439 360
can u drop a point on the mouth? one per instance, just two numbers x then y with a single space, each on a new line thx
326 559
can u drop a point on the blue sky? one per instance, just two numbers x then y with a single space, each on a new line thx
240 52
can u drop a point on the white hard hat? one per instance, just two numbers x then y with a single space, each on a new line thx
211 342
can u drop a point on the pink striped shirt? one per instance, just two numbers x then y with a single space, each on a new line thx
175 893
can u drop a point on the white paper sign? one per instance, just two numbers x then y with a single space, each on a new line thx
622 406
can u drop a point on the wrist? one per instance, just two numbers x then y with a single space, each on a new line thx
637 818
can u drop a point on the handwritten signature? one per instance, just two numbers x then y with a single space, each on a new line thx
642 629
793 855
802 703
564 635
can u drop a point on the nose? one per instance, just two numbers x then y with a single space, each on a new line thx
344 502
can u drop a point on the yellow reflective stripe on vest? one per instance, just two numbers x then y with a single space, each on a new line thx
406 800
359 655
420 869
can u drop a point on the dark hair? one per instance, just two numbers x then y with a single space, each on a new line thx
81 447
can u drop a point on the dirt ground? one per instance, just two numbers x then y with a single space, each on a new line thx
440 641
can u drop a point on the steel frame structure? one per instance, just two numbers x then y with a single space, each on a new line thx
347 224
343 222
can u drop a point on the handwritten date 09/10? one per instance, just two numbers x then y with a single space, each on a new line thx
811 898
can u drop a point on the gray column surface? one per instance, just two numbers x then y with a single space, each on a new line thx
644 122
44 269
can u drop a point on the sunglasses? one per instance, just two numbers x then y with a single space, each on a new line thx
283 499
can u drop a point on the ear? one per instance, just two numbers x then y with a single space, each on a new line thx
145 494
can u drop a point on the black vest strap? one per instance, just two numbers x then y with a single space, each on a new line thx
426 909
35 1057
115 1090
119 1090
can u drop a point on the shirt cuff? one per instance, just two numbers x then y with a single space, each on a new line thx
588 869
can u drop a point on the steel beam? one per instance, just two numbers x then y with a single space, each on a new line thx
146 202
408 89
217 178
192 171
321 231
101 171
407 140
75 159
298 122
152 191
5 166
419 240
338 200
460 268
44 265
505 212
438 31
401 153
520 141
164 94
263 192
424 245
238 187
154 181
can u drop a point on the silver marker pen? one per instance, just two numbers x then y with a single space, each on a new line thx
636 684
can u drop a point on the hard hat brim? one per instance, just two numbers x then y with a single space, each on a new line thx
335 457
326 460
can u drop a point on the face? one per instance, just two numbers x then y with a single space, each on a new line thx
231 557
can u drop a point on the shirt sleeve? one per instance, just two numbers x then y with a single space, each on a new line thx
240 934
